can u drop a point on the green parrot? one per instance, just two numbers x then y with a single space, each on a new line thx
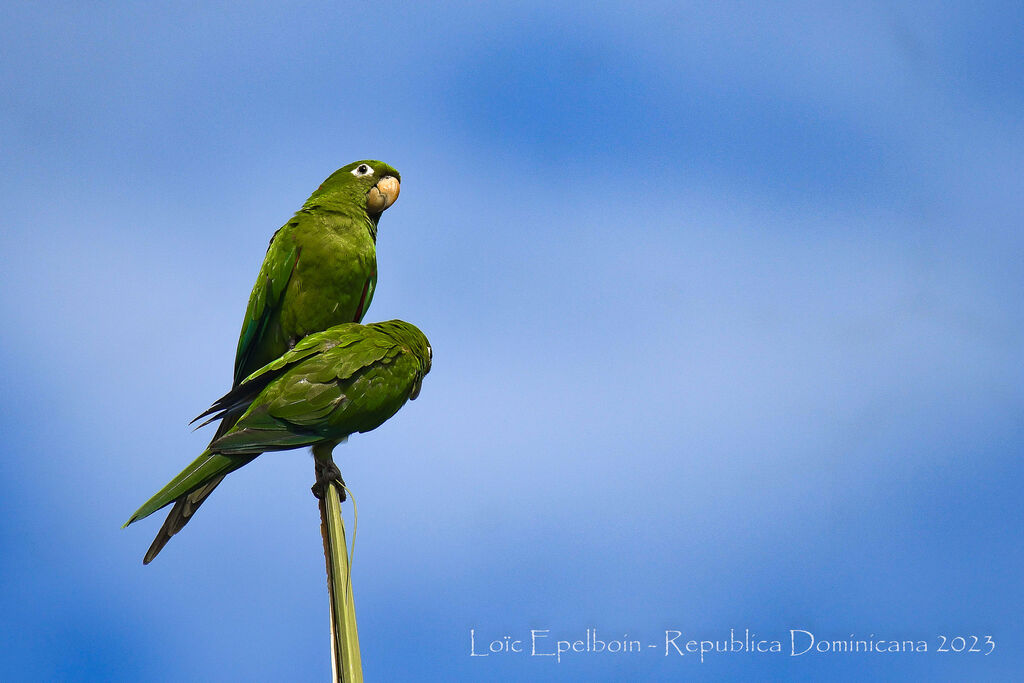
350 378
321 267
320 270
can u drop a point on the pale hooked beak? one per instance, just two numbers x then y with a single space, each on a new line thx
383 194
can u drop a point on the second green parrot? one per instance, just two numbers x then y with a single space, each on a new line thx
350 378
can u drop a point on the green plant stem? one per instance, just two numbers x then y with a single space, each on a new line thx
345 657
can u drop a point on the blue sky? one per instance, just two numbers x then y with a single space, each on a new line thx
723 302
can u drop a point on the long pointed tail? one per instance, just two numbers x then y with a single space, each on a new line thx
202 470
187 491
179 516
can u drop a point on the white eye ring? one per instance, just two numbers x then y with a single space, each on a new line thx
362 169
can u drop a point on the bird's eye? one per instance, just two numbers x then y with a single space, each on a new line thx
361 170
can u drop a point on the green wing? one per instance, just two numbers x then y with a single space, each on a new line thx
244 392
320 397
367 297
278 266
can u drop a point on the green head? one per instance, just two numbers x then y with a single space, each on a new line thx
410 337
368 186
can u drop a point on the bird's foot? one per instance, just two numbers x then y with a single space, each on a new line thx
328 473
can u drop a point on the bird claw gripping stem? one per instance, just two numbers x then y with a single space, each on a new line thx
326 473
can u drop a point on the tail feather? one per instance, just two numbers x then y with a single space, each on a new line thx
179 516
203 469
190 488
